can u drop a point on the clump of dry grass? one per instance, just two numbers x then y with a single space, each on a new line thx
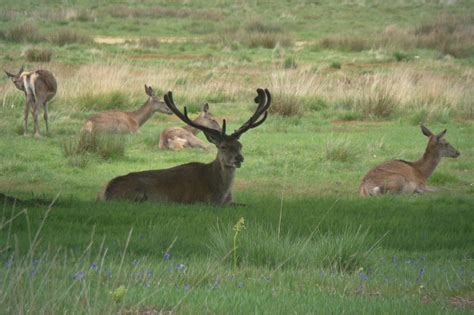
149 42
24 32
448 34
124 11
65 36
38 54
253 34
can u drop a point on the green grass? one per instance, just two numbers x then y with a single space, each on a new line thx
350 84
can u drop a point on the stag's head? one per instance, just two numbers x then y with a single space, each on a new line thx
155 102
228 146
16 79
438 145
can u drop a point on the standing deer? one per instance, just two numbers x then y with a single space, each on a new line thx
39 87
115 121
177 138
399 176
192 182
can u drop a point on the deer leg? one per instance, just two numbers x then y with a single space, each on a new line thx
45 116
28 105
35 119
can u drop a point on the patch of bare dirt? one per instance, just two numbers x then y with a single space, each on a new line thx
463 302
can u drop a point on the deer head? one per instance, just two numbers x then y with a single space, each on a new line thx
155 103
16 79
438 146
206 119
228 146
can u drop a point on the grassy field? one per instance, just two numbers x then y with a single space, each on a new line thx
351 83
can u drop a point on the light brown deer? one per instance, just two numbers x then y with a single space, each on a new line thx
178 138
115 121
399 176
192 182
39 87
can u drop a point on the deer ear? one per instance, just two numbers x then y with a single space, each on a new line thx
149 90
205 108
441 134
426 131
9 74
21 70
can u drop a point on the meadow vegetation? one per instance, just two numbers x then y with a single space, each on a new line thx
350 82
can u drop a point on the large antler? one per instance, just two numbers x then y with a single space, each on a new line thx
264 100
184 117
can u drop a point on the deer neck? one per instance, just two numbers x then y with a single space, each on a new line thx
222 177
192 130
427 163
142 114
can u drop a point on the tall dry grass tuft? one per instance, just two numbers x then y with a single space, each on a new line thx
65 36
24 32
38 54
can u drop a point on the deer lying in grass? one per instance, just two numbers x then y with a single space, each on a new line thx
39 87
115 121
192 182
177 138
399 176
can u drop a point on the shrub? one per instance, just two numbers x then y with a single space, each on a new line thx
339 150
289 63
400 56
105 145
36 54
103 101
148 42
25 32
287 105
345 43
335 65
68 36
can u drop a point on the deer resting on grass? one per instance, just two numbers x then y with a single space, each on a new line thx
399 176
177 138
115 121
39 87
192 182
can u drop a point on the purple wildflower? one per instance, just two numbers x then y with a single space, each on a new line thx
149 272
94 266
167 256
134 262
363 276
408 261
180 267
187 286
35 262
79 275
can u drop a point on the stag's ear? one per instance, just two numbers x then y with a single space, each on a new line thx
9 74
213 138
441 134
205 108
21 70
426 131
149 91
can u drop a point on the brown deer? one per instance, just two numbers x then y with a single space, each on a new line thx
192 182
399 176
177 138
39 87
115 121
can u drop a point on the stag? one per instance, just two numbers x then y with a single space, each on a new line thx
192 182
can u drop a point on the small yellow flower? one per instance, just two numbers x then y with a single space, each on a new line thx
240 225
118 293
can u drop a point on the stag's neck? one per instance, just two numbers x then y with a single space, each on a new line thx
427 163
192 130
222 178
142 114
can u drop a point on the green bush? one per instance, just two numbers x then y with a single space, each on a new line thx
37 54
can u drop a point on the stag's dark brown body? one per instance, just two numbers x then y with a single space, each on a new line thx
192 182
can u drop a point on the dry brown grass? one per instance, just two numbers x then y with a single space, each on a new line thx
65 36
397 91
448 34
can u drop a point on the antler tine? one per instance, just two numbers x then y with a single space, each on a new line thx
264 101
184 117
